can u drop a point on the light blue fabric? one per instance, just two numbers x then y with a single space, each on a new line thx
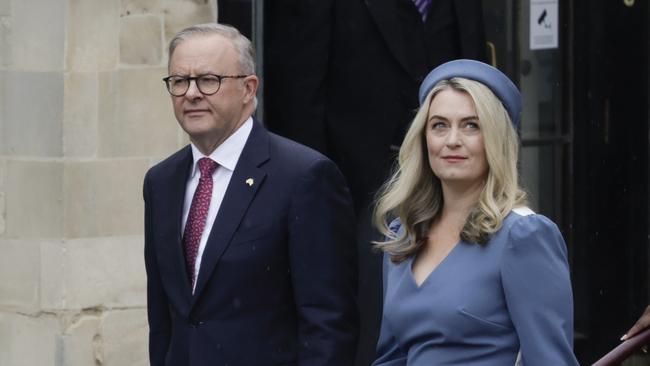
483 304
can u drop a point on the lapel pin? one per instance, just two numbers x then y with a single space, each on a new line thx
250 182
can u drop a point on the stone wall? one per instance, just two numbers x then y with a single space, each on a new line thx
83 114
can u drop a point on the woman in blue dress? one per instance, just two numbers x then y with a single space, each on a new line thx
471 275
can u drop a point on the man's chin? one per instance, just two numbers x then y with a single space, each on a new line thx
195 126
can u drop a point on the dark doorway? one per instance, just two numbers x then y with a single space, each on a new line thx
238 13
610 167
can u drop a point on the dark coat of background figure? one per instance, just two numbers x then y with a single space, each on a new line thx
276 285
342 76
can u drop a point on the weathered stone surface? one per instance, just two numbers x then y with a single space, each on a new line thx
93 36
135 115
78 129
103 198
38 35
3 114
3 174
141 40
20 334
132 7
78 342
6 55
32 113
34 199
124 337
182 14
3 214
93 273
5 7
80 115
3 200
19 274
52 275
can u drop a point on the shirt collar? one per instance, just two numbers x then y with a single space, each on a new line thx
227 154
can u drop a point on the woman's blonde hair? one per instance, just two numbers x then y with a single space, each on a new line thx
414 194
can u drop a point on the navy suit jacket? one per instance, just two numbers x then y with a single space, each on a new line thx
277 280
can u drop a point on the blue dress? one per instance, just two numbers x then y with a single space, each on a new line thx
483 304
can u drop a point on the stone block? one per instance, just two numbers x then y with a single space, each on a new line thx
108 88
32 113
135 115
3 214
5 41
141 40
106 272
103 198
3 172
52 275
80 115
38 35
3 113
93 35
94 274
33 198
19 275
124 337
5 7
79 342
3 199
182 14
29 341
132 7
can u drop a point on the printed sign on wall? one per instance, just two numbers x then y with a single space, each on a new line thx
544 26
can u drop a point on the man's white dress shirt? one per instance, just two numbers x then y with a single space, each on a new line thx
226 155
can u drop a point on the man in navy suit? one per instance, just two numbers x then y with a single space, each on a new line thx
249 237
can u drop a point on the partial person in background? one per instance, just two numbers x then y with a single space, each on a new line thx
249 237
342 76
471 275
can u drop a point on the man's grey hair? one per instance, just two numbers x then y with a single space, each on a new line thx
243 46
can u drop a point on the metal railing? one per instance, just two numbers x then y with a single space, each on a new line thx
625 349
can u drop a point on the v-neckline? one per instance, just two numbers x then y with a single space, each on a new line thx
433 270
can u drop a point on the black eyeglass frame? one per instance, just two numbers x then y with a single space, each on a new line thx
196 78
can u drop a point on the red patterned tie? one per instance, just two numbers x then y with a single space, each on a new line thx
198 214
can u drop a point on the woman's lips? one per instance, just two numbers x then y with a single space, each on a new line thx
454 158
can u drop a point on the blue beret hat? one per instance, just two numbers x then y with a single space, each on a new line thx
491 77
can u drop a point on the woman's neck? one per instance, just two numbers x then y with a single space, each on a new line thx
459 200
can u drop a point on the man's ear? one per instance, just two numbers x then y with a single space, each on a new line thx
251 83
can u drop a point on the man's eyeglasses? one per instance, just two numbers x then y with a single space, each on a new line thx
207 84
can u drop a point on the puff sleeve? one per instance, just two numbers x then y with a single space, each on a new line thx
537 287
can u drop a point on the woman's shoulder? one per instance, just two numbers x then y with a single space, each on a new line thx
523 224
524 219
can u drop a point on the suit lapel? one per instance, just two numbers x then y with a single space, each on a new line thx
236 201
398 21
172 200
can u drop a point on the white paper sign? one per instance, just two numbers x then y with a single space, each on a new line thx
544 26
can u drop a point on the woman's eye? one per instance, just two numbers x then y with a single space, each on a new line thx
437 125
472 125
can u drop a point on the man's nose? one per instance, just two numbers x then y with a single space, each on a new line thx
193 91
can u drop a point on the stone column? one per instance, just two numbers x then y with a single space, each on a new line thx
83 114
